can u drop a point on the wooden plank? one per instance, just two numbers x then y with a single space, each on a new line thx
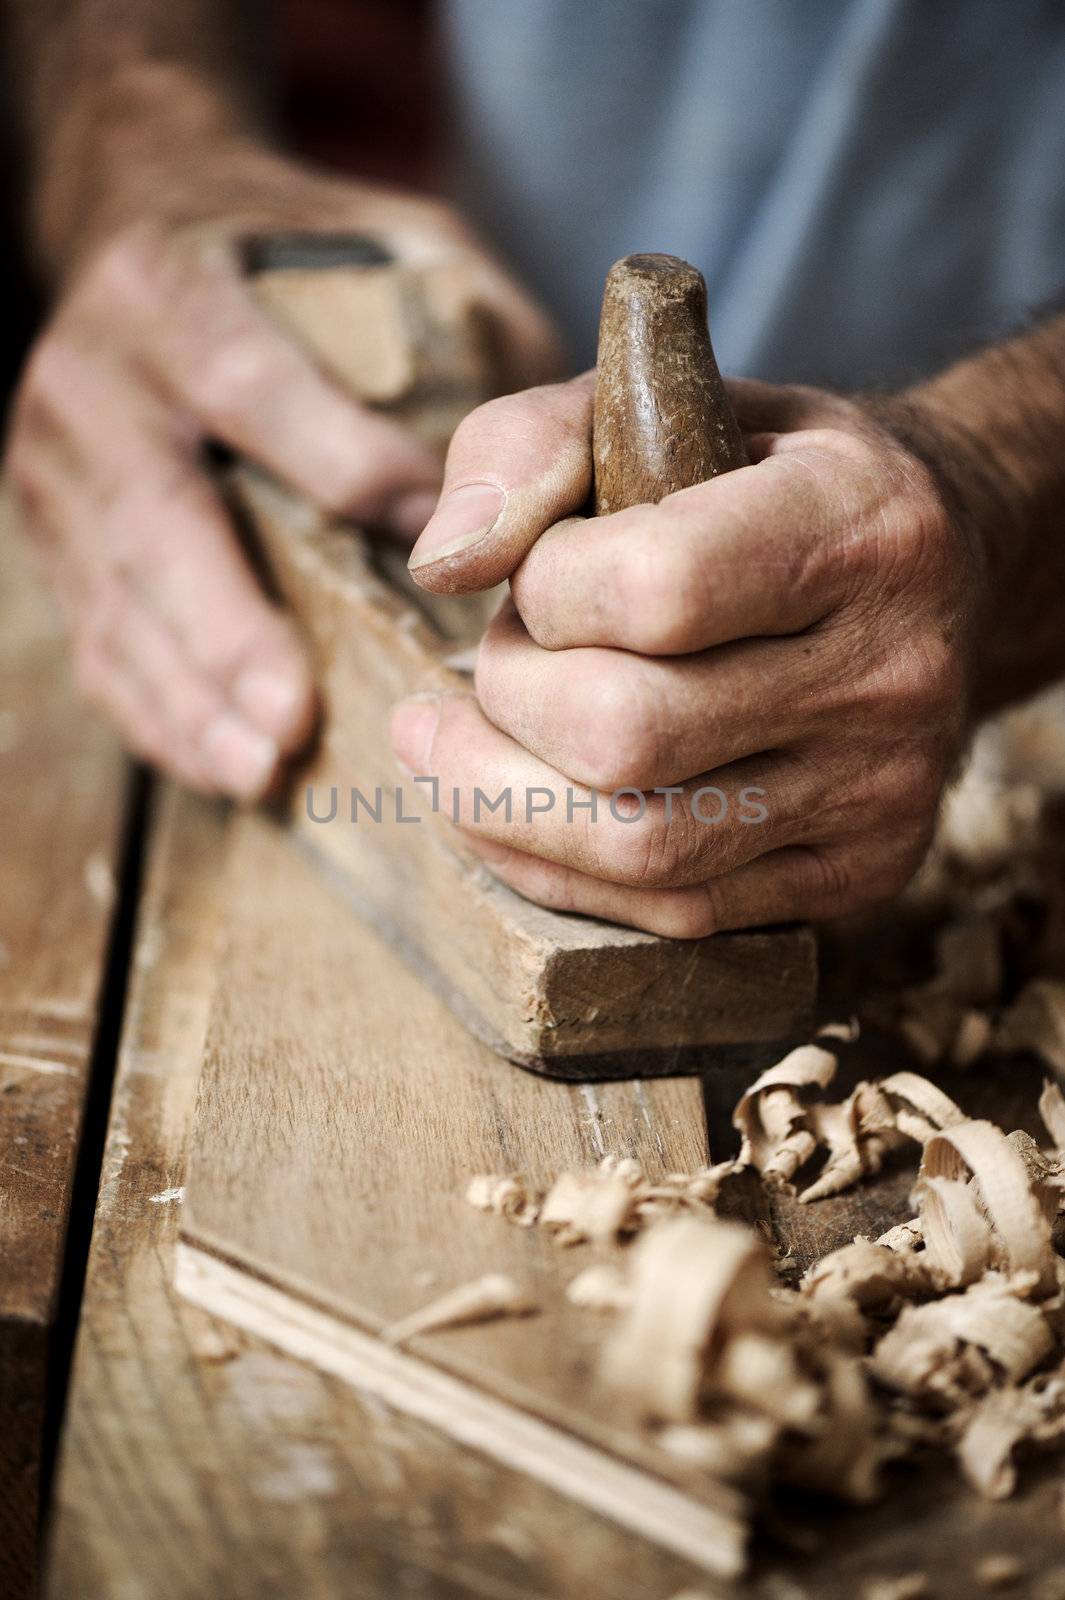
341 1113
62 801
565 995
197 1460
200 1461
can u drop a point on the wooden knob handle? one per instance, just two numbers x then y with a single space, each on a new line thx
662 418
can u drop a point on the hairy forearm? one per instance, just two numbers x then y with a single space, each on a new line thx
992 428
115 93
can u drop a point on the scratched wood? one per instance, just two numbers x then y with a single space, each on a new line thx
342 1112
62 796
199 1461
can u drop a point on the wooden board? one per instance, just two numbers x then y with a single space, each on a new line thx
342 1111
62 801
565 995
201 1461
198 1460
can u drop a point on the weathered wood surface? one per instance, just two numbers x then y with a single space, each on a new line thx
62 801
564 994
354 1108
198 1460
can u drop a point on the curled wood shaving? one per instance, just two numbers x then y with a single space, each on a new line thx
773 1120
599 1206
1002 1422
1016 1214
846 1032
871 1276
920 1108
934 1351
857 1132
957 1235
1036 1022
483 1300
1052 1111
694 1282
506 1196
601 1287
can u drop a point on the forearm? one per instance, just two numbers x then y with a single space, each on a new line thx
115 95
992 427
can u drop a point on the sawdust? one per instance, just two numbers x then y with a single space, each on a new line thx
947 1332
483 1300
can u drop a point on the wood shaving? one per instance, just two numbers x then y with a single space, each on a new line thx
483 1300
1036 1022
998 1571
846 1032
1015 1211
920 1108
910 1586
505 1196
774 1121
694 1282
937 1351
1052 1111
599 1206
602 1287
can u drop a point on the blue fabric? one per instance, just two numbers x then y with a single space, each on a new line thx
869 186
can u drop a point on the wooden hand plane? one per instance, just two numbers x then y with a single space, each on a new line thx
564 995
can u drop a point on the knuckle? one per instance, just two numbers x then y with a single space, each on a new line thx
833 877
232 379
659 597
623 740
127 272
646 853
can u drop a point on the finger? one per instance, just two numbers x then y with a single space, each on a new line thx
515 466
200 728
135 521
487 781
775 408
124 699
251 386
748 554
611 718
786 885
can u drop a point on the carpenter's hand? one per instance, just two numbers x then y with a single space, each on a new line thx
800 628
155 346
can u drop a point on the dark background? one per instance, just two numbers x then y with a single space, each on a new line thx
357 92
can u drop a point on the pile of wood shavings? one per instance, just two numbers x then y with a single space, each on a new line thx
949 1331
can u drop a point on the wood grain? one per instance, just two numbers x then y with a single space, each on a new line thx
62 801
341 1113
201 1461
197 1460
565 995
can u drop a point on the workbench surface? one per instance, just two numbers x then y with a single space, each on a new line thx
196 1460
